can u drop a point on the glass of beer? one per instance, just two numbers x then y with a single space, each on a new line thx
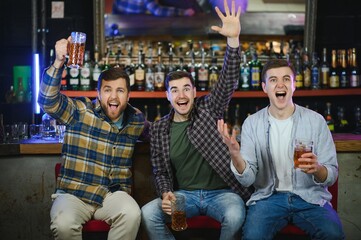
76 50
301 146
179 222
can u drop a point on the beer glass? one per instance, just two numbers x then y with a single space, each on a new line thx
76 50
301 146
179 222
61 131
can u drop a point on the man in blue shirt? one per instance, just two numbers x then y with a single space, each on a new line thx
283 192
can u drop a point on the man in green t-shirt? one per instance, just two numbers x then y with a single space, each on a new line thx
187 153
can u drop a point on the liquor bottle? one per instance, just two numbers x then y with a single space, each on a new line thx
349 57
171 66
118 56
10 96
341 125
129 66
159 71
139 76
329 118
315 72
237 121
146 112
354 70
96 68
86 73
272 54
159 115
2 129
181 66
20 94
344 81
334 71
255 67
298 69
244 73
281 54
149 71
325 70
306 70
106 65
64 80
74 75
213 71
357 125
191 64
202 72
29 93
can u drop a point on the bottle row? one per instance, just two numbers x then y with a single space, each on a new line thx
340 119
146 75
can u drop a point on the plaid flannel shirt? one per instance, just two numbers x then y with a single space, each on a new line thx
144 6
97 155
202 132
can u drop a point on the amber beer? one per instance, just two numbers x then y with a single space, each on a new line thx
179 222
301 146
76 50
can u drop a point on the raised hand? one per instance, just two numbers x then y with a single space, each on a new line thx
229 140
231 25
61 50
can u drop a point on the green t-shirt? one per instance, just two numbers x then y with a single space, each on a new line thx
192 171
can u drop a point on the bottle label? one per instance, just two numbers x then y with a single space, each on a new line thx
159 79
354 80
96 75
85 72
334 81
85 81
256 76
202 74
299 81
139 74
74 72
131 79
307 78
315 77
149 81
74 81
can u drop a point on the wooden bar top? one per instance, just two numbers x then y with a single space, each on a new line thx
345 142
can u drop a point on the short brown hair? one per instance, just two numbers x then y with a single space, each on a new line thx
175 75
112 74
277 63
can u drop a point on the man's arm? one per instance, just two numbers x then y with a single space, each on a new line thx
229 76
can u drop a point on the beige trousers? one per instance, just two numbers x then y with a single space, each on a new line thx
119 210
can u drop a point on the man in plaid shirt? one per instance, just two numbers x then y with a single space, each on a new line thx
187 152
95 179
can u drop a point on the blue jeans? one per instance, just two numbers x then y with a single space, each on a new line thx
268 216
224 205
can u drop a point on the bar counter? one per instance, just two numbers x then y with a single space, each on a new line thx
345 142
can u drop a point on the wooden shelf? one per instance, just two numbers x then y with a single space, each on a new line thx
237 94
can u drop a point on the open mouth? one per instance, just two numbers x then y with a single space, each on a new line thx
281 94
113 106
182 103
